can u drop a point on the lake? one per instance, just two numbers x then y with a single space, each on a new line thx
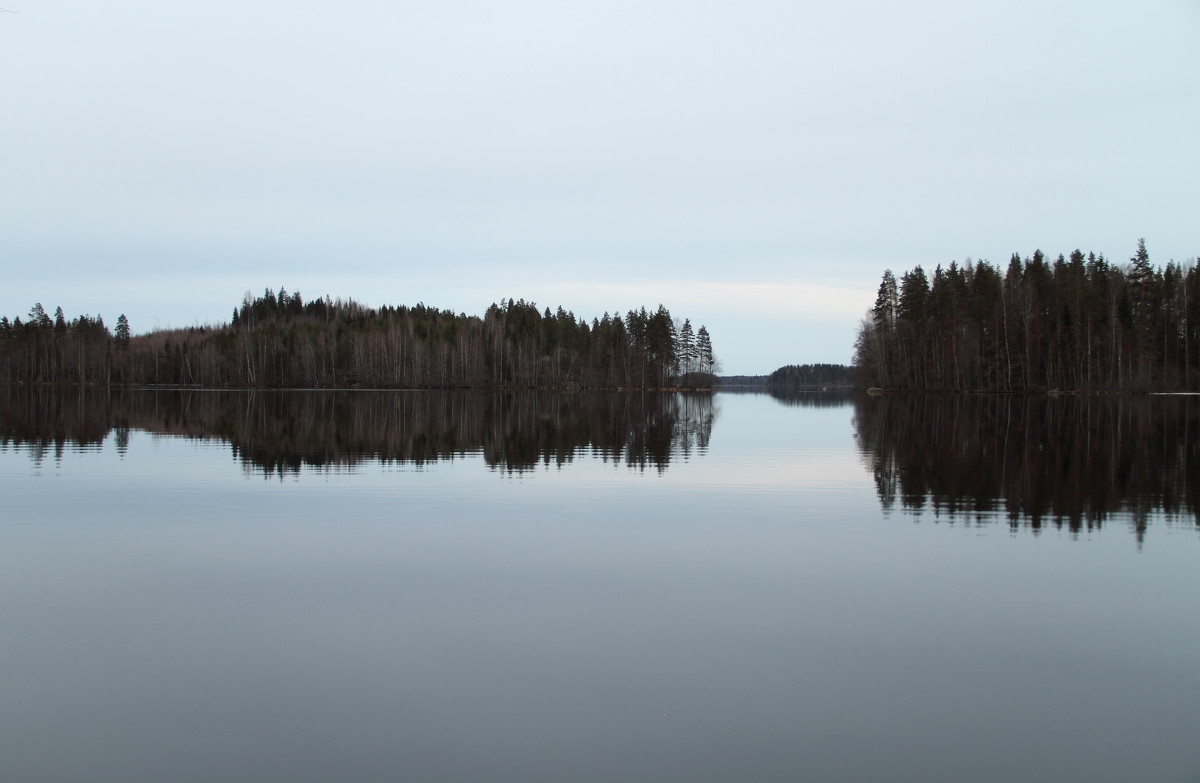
435 586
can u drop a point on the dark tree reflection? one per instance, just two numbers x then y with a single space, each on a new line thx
833 398
1067 461
281 432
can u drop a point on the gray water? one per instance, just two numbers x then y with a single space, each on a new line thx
432 587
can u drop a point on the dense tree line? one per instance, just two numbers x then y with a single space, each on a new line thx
741 382
54 350
280 340
796 377
1076 323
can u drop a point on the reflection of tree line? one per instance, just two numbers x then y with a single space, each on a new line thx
279 432
812 398
42 420
1066 461
833 398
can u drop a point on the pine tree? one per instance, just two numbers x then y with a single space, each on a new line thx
37 315
122 334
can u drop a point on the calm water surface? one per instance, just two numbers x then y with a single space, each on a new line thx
425 586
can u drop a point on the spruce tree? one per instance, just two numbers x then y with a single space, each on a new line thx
705 351
886 302
687 347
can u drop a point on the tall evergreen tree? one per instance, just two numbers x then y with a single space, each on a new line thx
704 351
122 334
887 301
687 348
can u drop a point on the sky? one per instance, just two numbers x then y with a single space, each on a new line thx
754 166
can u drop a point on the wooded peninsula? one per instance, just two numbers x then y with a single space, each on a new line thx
1078 323
279 340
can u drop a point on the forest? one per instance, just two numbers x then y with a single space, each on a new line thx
279 340
800 377
1077 323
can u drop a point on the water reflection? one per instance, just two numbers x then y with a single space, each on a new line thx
280 432
1069 461
807 398
833 398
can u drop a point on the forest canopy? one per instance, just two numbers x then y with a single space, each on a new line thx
1077 323
280 340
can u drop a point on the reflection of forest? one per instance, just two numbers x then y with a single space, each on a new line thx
1067 461
833 398
278 432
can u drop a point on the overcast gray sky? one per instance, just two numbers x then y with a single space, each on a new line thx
753 165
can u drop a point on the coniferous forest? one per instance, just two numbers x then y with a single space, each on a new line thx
1077 323
799 377
280 340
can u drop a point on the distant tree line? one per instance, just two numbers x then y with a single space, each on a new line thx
1076 323
797 377
741 382
280 340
